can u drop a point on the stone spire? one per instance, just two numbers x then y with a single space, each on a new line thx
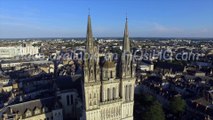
126 55
89 39
126 43
89 62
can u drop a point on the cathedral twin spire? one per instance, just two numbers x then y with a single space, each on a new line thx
93 66
126 59
126 43
89 38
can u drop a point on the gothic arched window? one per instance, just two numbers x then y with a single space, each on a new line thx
90 96
108 94
114 93
126 92
68 100
130 92
91 74
106 74
111 75
71 99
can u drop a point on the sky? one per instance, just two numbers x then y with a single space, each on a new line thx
68 18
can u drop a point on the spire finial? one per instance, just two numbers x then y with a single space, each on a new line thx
126 16
88 11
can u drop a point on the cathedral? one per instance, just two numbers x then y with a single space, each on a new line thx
108 96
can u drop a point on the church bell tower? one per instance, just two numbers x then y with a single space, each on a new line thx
91 80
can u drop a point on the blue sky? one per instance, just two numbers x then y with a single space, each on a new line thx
68 18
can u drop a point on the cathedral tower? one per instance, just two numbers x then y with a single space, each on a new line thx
109 97
91 81
127 78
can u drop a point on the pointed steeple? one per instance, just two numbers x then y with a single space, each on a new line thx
126 43
89 39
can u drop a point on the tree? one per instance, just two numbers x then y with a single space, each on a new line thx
116 50
154 112
148 108
177 105
148 100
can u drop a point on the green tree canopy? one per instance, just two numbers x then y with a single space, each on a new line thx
177 105
154 112
148 108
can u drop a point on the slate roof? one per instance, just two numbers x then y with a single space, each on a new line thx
31 105
70 82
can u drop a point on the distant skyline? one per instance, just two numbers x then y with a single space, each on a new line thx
68 18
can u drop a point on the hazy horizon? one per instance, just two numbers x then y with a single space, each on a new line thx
110 38
63 18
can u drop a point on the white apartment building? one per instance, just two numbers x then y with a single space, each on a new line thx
12 51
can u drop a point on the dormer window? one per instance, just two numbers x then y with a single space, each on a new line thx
28 113
37 111
45 109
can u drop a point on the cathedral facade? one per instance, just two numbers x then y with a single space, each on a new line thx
106 95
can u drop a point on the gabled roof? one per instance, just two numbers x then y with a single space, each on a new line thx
21 108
